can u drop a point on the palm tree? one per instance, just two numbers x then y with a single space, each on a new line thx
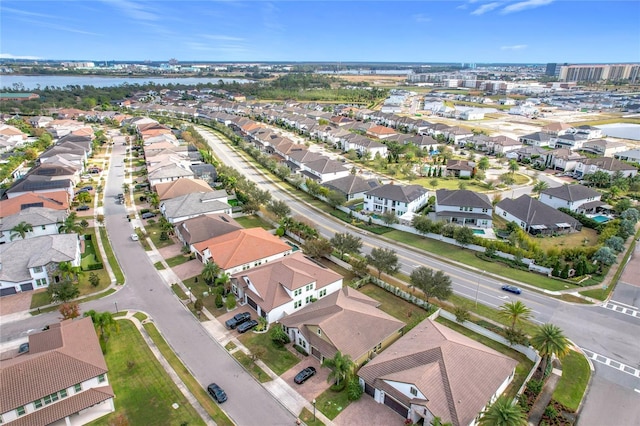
224 281
540 186
65 269
341 367
514 312
21 229
549 340
513 166
209 272
104 324
70 225
503 412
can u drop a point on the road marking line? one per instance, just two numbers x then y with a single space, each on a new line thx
627 369
623 304
621 309
637 390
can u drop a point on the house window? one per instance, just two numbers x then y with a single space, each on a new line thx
297 304
101 378
63 393
37 403
77 388
54 397
485 210
319 332
47 399
297 292
461 208
307 299
21 411
41 282
504 214
37 269
323 292
44 227
413 391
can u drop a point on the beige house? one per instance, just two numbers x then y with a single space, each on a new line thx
434 371
346 321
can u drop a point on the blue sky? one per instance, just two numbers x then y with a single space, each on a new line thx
518 31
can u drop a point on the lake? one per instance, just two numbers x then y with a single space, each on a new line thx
31 82
621 130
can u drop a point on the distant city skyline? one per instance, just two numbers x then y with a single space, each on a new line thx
480 31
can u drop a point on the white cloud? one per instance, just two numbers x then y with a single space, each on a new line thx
222 37
10 56
421 17
488 7
514 47
134 10
524 5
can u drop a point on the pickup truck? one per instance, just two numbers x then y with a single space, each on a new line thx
237 319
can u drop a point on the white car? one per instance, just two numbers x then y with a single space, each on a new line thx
134 237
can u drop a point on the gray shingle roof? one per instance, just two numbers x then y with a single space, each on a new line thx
205 227
351 184
533 212
35 216
462 198
402 193
196 203
571 192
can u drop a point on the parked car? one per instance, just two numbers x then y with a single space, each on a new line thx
134 237
246 326
120 196
148 215
88 188
94 170
82 208
217 393
237 319
511 289
304 375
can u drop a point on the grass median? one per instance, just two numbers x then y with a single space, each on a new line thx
111 257
573 383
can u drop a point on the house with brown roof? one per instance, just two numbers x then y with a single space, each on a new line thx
284 286
460 168
180 187
434 371
57 200
62 378
347 321
381 132
242 249
205 227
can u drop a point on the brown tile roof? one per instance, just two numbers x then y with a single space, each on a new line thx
206 226
242 247
60 357
58 200
349 320
291 272
456 374
65 407
180 187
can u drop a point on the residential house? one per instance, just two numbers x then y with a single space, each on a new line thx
434 371
205 227
611 166
632 156
562 159
457 135
538 139
62 379
460 168
284 286
463 207
571 197
588 132
603 147
195 204
472 114
168 171
181 187
530 154
40 185
58 169
324 169
56 200
44 221
570 141
557 129
535 217
243 249
346 321
398 199
27 264
11 136
363 145
502 145
352 186
426 143
205 172
381 132
40 121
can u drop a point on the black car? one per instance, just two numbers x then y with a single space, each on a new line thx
512 289
246 326
305 374
237 320
88 188
217 393
82 208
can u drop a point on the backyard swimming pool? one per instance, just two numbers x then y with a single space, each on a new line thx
601 219
478 231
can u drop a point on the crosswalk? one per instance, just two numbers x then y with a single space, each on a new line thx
622 308
601 359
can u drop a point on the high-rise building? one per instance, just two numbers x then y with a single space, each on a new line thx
597 72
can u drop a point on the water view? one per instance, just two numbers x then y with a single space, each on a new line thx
31 82
621 130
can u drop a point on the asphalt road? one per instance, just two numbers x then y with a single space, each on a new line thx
610 334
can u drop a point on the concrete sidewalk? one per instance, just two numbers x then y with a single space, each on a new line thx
537 411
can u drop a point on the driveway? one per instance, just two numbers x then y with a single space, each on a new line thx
16 303
314 386
187 269
374 413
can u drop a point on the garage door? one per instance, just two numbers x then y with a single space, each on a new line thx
396 406
7 291
26 287
369 390
252 303
316 353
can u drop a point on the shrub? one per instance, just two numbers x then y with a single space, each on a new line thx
231 302
462 314
300 349
535 386
354 391
279 337
550 412
219 303
143 211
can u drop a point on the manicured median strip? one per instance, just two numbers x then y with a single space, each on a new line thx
111 258
144 391
198 391
574 380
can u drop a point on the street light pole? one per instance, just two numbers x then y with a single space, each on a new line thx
314 409
116 303
478 287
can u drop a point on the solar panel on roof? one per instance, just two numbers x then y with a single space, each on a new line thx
28 205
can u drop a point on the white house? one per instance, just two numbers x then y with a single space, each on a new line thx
44 221
284 286
569 196
608 165
195 204
399 199
463 207
632 155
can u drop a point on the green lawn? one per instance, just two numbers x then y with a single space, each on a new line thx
158 265
278 360
332 403
395 306
196 389
307 417
177 260
198 289
254 221
574 380
450 183
111 258
140 316
524 364
144 391
251 367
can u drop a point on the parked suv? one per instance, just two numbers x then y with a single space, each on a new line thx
148 215
237 320
217 393
246 326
